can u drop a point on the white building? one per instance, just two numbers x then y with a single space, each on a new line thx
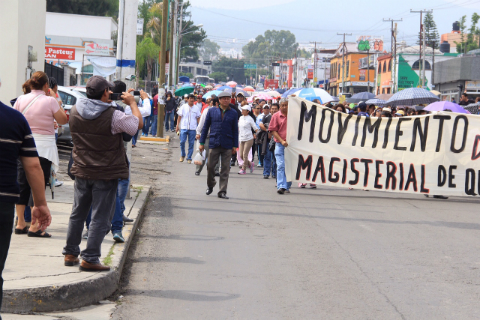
74 39
231 53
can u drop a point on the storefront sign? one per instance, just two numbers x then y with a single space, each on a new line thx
97 49
59 53
472 85
384 154
140 27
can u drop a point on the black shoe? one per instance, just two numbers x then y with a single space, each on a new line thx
223 195
209 191
440 197
281 191
127 219
232 163
266 177
217 174
197 173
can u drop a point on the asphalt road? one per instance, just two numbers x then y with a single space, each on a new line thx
312 254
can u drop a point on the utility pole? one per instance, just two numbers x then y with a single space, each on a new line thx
178 44
393 50
163 60
173 25
421 63
343 59
315 62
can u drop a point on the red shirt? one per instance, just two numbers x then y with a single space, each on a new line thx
279 124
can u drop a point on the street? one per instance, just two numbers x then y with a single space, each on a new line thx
313 254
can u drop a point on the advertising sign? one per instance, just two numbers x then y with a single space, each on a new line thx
140 27
370 43
97 49
272 84
384 154
59 53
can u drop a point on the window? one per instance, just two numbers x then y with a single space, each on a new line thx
339 70
388 90
383 90
348 67
417 63
390 65
380 67
67 99
385 66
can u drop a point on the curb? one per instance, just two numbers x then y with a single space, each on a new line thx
82 293
166 139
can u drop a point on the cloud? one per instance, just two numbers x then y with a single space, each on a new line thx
235 5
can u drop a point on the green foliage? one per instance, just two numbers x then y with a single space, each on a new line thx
210 50
147 54
218 76
86 7
280 44
232 67
432 38
470 40
192 39
186 74
302 53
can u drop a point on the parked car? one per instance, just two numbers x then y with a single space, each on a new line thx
69 98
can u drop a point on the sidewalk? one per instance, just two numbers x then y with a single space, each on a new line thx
36 279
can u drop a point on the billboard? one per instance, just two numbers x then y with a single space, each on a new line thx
370 43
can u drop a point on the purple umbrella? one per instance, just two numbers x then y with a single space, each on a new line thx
445 105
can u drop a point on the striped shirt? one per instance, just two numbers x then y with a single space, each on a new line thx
15 141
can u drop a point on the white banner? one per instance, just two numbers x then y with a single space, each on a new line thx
437 154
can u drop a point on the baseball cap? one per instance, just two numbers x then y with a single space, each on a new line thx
223 94
246 107
185 95
240 94
266 106
97 85
401 112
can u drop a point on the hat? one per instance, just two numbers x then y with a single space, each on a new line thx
185 95
97 85
223 94
387 109
246 107
266 106
240 94
362 106
400 112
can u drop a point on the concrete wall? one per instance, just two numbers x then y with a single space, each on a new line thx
23 24
463 68
81 26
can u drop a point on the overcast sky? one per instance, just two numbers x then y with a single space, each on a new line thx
316 20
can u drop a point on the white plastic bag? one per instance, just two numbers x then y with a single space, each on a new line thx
199 158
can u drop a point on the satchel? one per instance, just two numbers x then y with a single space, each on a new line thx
271 145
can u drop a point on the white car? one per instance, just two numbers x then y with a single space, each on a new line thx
69 99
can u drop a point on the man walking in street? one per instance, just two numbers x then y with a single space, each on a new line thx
18 145
268 159
188 118
99 160
223 125
278 127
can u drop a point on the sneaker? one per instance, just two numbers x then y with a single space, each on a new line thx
281 191
85 234
259 165
189 161
182 159
252 167
118 237
302 185
58 183
242 172
313 186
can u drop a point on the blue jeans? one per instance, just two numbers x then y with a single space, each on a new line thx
281 177
146 125
170 121
269 164
184 133
154 125
259 153
117 221
134 138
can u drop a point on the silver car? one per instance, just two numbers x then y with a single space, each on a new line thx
69 99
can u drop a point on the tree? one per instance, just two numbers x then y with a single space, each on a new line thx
470 40
86 7
186 74
232 67
432 37
218 76
154 23
192 39
209 50
147 54
278 44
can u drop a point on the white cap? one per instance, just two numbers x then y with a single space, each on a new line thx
246 107
185 95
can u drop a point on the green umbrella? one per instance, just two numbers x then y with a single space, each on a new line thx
184 90
202 85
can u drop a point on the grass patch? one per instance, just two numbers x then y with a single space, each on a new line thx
108 259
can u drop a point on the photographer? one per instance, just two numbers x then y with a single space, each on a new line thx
99 160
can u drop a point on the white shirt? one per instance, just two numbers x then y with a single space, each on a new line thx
245 126
202 120
145 108
189 117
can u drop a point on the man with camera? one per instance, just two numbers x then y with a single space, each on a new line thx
99 160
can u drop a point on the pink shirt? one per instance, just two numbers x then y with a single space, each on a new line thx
279 124
40 114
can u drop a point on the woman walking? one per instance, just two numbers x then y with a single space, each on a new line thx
170 108
41 110
245 126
